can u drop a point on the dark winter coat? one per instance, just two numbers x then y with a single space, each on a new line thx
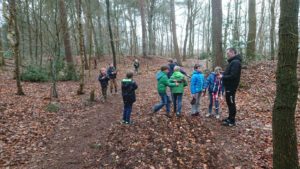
232 73
136 64
171 69
128 91
103 79
111 72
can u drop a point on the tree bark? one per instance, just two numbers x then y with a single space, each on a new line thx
111 34
2 62
173 25
71 75
261 31
144 31
81 47
217 32
283 118
151 28
272 30
228 19
29 30
252 30
13 37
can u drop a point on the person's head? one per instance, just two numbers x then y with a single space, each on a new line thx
231 52
103 70
136 60
218 70
198 67
164 69
206 72
170 60
111 65
176 68
129 75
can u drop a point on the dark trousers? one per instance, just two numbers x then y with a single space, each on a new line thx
127 112
230 100
177 102
104 92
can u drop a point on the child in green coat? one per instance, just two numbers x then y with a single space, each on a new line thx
177 91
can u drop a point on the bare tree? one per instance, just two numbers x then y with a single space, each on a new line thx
217 32
175 43
111 34
71 73
13 37
252 30
144 31
272 30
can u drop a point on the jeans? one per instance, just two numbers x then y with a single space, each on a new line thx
127 112
230 100
212 101
165 100
196 106
177 102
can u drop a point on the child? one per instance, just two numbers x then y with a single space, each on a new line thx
136 65
112 74
215 89
196 86
177 91
128 93
103 79
162 83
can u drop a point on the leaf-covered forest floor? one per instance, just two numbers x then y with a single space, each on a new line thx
84 134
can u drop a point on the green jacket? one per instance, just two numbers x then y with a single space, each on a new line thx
179 77
163 82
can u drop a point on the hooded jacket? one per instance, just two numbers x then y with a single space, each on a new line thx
128 90
103 79
214 85
179 77
163 82
232 74
197 82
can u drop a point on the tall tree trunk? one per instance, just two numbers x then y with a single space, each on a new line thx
36 32
283 118
217 32
111 34
13 37
81 47
228 19
144 31
252 30
236 32
208 43
175 43
151 28
261 32
186 30
71 75
41 32
29 30
2 62
272 30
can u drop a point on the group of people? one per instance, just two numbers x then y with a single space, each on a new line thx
172 77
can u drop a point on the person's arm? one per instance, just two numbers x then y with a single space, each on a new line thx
193 84
234 72
167 82
135 86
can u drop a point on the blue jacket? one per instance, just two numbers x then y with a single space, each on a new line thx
197 82
128 91
213 84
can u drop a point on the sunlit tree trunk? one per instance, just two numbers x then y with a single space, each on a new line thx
252 30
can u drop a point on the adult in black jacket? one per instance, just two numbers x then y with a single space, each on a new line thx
231 80
128 93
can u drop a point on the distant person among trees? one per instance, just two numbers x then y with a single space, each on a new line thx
162 84
103 79
196 87
181 68
215 91
128 93
231 80
171 67
177 91
112 74
136 66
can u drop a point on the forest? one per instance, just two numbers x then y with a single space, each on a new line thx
54 114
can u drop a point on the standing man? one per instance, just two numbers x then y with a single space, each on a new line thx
112 74
231 80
